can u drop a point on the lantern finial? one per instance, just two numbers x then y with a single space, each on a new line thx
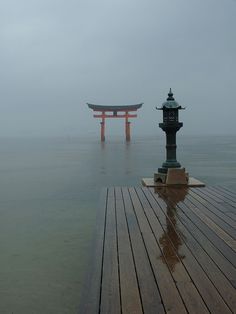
170 95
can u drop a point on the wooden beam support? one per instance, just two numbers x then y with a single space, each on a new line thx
112 116
112 110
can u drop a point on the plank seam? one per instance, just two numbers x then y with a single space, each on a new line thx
146 250
191 280
222 194
212 199
117 248
103 248
216 228
204 232
221 223
228 239
226 190
174 281
209 204
131 246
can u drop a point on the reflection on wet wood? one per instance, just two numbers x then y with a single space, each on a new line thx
165 250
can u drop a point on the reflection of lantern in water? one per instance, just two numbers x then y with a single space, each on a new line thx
171 241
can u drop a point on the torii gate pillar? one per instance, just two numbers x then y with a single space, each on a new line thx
103 131
127 127
103 128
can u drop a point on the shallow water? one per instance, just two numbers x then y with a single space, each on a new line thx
49 189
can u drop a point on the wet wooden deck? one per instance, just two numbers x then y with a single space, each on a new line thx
165 251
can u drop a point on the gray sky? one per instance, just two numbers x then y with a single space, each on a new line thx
56 55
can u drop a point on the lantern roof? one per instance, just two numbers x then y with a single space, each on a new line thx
170 102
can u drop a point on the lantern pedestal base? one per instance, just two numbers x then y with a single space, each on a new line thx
176 176
172 178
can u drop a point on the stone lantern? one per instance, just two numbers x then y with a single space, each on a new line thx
171 171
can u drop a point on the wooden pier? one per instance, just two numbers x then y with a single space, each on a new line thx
169 250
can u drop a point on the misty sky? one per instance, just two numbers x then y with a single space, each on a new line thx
56 55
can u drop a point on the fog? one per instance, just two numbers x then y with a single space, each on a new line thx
56 55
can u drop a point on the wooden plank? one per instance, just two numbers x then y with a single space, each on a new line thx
196 271
222 235
221 195
222 198
170 295
204 284
159 253
220 282
150 296
210 234
110 288
224 265
226 190
130 298
219 231
224 222
169 255
90 297
222 209
232 215
218 199
224 193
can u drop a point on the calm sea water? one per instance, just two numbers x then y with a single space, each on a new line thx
49 189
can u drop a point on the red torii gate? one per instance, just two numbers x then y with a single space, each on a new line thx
107 111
